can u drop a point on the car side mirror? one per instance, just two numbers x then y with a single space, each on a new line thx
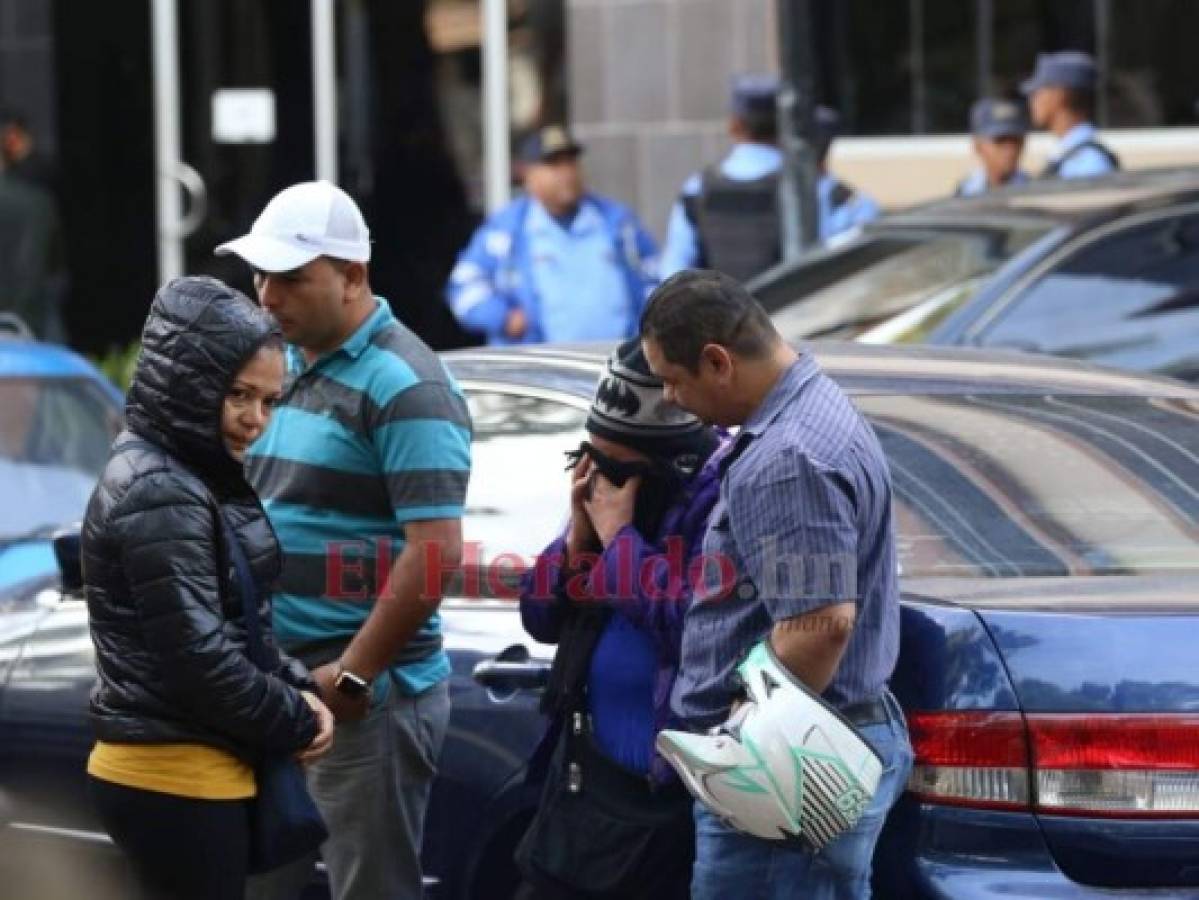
69 553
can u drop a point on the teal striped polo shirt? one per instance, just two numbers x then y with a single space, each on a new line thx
367 438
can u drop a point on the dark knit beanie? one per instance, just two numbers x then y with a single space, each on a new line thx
631 409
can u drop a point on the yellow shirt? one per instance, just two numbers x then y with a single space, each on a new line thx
183 770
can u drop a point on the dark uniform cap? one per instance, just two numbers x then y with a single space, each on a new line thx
552 140
754 94
827 122
1068 69
993 119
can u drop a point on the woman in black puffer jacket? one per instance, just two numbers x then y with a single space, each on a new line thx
180 712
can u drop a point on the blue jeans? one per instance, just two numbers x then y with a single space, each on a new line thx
731 864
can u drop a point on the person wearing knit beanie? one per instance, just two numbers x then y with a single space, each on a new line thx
630 409
642 487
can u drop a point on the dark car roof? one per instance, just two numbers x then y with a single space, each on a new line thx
859 368
1063 202
1073 205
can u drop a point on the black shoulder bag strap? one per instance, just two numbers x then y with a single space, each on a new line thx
566 688
256 647
1054 168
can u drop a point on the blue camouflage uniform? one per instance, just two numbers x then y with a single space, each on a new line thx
583 280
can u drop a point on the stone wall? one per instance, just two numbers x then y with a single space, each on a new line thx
649 84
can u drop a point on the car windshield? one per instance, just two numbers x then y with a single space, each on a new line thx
923 274
55 435
1003 486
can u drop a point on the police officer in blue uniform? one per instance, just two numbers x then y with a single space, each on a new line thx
727 217
998 128
1061 95
557 264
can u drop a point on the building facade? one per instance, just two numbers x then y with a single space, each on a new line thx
643 82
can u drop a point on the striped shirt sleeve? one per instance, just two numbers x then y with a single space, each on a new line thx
422 437
794 527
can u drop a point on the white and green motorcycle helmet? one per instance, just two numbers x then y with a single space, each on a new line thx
784 767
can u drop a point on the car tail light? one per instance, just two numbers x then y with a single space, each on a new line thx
970 758
1118 765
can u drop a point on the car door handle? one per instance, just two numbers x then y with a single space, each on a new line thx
504 676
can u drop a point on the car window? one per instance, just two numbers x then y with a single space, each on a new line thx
913 326
886 274
55 435
1124 289
519 490
1002 486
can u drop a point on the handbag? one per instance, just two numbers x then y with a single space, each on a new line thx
602 831
285 824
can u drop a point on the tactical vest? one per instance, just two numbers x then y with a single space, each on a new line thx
737 223
1054 169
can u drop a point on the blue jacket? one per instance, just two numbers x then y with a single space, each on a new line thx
657 606
494 275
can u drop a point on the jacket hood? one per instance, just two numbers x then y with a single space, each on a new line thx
199 334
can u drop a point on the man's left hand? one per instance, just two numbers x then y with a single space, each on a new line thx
611 507
343 707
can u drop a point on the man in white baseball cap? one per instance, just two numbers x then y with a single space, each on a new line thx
302 222
344 467
309 249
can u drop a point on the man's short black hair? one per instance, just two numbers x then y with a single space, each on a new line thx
760 125
698 307
1081 101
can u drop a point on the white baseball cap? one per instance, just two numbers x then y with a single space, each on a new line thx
300 223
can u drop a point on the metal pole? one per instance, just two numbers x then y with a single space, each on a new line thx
1103 34
919 93
984 44
796 111
324 89
165 50
355 50
496 127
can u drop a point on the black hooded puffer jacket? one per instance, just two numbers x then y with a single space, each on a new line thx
163 601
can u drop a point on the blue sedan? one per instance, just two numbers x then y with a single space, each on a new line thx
1049 553
58 416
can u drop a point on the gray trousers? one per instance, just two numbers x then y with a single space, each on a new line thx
372 789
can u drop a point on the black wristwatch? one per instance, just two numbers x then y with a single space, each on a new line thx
350 684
